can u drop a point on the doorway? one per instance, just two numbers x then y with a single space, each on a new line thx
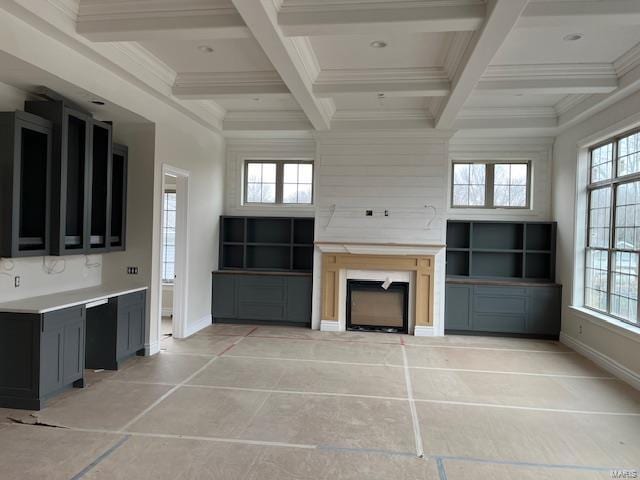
173 253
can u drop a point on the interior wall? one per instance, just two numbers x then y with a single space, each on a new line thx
179 140
43 275
611 344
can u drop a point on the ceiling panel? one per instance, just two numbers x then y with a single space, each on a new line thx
259 103
402 51
229 55
502 100
372 102
604 43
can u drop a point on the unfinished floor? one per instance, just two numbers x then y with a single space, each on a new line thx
263 403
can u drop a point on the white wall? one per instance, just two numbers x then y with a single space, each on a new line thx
178 140
538 151
612 345
241 149
38 275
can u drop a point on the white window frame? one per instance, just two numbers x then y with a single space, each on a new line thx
280 163
168 281
490 183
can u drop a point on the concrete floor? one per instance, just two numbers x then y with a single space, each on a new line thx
278 403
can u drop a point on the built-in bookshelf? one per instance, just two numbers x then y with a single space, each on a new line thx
266 243
501 250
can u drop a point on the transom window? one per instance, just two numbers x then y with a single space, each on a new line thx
491 185
278 182
613 228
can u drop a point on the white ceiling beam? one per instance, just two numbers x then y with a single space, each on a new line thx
393 82
563 79
376 17
287 56
132 20
212 85
502 16
563 13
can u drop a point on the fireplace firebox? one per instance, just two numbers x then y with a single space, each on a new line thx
371 307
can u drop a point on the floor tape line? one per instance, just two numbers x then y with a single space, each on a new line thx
442 472
377 451
412 405
104 455
524 464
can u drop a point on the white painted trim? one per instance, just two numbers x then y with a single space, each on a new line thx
167 312
192 328
606 362
610 323
151 348
329 326
424 331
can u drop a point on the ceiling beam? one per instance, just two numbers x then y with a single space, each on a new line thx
376 17
393 82
110 21
565 14
502 16
288 58
212 85
563 79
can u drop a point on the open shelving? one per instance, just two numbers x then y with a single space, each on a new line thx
266 243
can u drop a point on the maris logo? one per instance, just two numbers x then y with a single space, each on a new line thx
624 474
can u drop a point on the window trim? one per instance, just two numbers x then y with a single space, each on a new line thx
167 191
279 182
490 184
611 183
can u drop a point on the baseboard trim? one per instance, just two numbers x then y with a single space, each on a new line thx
329 326
424 331
204 322
606 362
151 348
167 312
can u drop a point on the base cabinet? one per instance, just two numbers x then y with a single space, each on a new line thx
277 299
521 310
40 355
115 331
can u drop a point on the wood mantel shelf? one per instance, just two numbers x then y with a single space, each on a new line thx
373 244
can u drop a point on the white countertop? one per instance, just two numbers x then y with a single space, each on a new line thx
70 298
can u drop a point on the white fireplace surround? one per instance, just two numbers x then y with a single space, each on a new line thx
399 276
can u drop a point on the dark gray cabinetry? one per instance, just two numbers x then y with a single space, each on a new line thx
115 330
532 310
118 210
25 184
100 187
40 354
261 298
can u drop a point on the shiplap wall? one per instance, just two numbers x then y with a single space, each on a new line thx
399 172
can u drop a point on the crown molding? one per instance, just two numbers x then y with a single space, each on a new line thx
474 118
507 112
69 8
455 53
146 60
228 84
568 102
266 120
627 61
363 75
127 9
553 70
382 119
322 5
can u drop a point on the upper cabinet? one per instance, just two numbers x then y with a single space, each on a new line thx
25 184
63 183
118 232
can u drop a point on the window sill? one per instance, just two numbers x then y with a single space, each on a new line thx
611 324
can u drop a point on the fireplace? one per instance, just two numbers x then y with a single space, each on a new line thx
372 307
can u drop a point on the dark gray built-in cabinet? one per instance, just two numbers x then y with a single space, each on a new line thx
265 270
501 278
115 331
40 354
25 184
118 207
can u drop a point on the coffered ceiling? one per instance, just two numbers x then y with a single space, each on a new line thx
331 64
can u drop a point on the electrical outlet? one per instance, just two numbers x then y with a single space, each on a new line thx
580 329
369 213
16 281
386 213
132 270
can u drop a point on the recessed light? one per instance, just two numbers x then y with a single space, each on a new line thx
378 44
97 102
205 48
572 37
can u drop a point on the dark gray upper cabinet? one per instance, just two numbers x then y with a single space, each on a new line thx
118 228
25 184
100 191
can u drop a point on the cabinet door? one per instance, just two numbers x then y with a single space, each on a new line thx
136 327
223 296
544 311
299 300
131 323
457 312
51 361
73 351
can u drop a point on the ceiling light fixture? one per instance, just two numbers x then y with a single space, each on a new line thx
378 44
572 37
205 48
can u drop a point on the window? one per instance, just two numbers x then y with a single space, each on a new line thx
278 182
613 228
491 185
169 237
